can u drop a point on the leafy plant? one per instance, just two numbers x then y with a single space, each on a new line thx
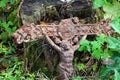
3 49
6 30
111 71
94 67
111 9
96 50
9 8
116 25
77 78
4 4
94 47
14 71
80 66
98 3
114 44
84 46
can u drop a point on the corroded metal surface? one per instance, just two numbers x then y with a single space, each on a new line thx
65 30
64 37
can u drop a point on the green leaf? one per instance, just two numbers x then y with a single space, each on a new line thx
95 45
105 54
84 46
116 25
11 50
97 53
2 48
111 68
80 66
12 2
98 3
114 43
2 4
7 28
5 25
104 71
112 10
10 23
94 67
77 78
4 36
13 29
101 39
116 75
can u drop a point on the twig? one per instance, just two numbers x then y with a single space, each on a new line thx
19 7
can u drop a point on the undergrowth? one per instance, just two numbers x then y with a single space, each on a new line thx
14 70
111 9
8 24
106 49
10 66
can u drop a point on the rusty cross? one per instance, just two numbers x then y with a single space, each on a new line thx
63 37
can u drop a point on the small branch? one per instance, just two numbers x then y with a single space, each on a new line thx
19 7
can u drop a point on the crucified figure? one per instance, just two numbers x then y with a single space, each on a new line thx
64 38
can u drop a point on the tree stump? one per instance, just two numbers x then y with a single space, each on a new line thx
34 11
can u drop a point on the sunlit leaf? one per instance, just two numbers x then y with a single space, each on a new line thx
77 78
80 66
98 3
97 53
114 43
116 25
84 46
116 75
101 38
112 10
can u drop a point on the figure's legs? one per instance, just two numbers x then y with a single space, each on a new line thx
65 65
